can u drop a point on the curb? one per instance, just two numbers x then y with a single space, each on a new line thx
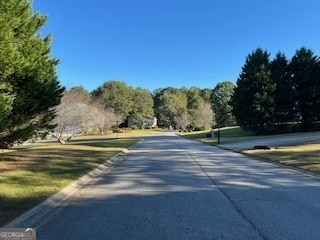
43 212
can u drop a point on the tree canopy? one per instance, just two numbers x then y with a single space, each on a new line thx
305 73
125 100
221 102
270 96
29 87
253 101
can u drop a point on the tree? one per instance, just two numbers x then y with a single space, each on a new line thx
169 103
222 94
204 116
81 94
103 118
73 116
76 115
29 88
194 98
182 122
142 107
116 95
6 105
206 94
283 95
305 72
253 102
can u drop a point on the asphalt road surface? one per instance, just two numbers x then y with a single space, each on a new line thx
167 187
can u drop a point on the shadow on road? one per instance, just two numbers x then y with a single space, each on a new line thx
171 188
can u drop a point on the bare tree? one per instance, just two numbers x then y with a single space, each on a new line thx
72 117
103 118
182 121
204 116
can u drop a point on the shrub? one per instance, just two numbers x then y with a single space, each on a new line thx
134 127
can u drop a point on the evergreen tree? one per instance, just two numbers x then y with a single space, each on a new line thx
253 102
283 95
29 85
305 72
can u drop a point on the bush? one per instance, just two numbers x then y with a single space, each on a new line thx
117 130
202 128
134 127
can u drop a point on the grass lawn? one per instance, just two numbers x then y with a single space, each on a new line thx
31 173
304 156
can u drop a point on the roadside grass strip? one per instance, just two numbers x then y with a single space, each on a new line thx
32 173
304 156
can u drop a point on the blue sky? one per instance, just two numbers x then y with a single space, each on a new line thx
161 43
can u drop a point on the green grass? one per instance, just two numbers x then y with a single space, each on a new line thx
31 173
304 156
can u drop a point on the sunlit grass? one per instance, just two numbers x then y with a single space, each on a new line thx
304 156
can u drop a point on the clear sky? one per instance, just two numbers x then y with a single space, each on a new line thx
161 43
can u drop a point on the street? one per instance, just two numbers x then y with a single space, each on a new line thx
168 187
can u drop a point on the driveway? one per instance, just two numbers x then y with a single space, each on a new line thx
167 187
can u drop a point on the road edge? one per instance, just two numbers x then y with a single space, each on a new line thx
44 211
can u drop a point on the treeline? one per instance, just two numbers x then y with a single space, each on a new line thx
270 96
279 95
115 104
34 104
194 108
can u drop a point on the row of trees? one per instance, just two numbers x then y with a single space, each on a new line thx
114 101
99 111
125 100
269 96
274 95
194 108
78 113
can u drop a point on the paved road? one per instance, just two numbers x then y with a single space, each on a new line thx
168 187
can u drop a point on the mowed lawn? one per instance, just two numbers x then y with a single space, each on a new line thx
304 156
31 173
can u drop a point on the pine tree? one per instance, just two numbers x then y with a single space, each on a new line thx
253 102
305 72
283 96
27 72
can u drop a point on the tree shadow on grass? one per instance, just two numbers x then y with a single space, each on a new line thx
29 176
